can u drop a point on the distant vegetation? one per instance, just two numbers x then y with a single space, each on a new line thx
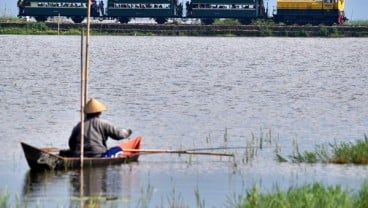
226 22
260 28
357 22
33 28
11 19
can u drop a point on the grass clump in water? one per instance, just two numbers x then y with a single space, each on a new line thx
312 196
343 153
4 199
351 153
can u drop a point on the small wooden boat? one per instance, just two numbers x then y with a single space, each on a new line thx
40 159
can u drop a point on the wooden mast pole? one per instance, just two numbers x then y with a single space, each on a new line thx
82 100
87 50
86 69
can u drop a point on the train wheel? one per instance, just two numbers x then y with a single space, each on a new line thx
77 19
160 20
124 20
245 21
40 18
207 21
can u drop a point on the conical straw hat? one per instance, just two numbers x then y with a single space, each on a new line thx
94 106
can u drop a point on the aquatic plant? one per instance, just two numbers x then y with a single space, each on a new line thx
175 200
4 199
199 202
348 152
362 198
310 195
225 135
339 153
146 196
315 195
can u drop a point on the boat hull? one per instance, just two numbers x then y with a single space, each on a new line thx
41 159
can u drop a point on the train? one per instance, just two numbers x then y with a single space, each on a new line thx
207 11
313 12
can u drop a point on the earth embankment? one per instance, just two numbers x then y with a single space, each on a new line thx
200 30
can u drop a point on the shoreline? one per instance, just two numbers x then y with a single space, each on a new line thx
53 28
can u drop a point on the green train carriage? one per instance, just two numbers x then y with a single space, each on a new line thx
42 9
160 10
243 10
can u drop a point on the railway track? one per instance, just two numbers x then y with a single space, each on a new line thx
207 30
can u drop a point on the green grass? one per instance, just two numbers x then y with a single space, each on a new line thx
30 28
347 152
341 153
4 199
357 22
226 21
312 196
11 19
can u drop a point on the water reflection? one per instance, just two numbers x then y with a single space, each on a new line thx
96 186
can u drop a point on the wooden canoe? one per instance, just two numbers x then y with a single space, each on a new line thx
40 159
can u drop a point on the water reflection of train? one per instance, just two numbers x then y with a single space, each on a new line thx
288 11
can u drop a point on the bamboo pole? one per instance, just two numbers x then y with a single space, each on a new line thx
87 50
82 102
84 98
156 151
85 75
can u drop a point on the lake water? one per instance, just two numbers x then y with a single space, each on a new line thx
183 93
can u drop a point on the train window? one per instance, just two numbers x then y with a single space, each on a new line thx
223 6
141 6
57 4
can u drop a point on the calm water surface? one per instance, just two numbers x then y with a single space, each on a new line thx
183 92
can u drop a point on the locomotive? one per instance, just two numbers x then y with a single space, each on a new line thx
310 12
288 11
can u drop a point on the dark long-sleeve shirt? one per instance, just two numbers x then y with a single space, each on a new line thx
96 134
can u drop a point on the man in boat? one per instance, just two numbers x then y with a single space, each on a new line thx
96 133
